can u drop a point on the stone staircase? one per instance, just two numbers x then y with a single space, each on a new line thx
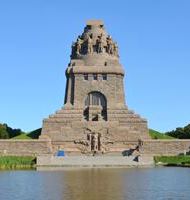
68 121
124 116
67 115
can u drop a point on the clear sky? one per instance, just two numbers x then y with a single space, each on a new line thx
154 44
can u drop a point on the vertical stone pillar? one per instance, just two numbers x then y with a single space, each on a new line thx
68 97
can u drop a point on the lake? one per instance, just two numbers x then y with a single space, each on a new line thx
97 184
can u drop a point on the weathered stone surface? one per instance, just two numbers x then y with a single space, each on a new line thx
25 147
95 117
96 161
94 97
40 147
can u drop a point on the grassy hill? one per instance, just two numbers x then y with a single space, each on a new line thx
36 133
22 136
7 132
31 135
157 135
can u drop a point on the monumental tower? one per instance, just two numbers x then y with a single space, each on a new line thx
95 116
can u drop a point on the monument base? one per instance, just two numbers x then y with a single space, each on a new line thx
49 162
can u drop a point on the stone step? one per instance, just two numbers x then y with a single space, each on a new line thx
123 116
67 116
131 120
94 161
120 111
69 112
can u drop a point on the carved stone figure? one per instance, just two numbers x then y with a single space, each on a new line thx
115 49
95 140
78 46
73 52
89 45
109 45
99 42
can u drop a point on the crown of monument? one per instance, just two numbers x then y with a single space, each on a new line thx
94 41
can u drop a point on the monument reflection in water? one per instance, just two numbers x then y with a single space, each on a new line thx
97 184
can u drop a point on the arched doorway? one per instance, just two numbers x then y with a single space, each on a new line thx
95 107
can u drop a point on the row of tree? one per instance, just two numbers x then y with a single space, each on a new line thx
7 132
181 133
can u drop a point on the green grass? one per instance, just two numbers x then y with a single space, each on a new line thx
157 135
22 136
17 162
31 135
173 160
35 134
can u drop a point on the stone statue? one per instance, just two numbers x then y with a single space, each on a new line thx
109 45
89 45
73 52
95 142
78 46
99 42
115 49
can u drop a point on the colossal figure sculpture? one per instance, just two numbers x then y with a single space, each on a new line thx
95 116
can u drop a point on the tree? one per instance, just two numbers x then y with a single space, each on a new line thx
180 133
7 132
3 132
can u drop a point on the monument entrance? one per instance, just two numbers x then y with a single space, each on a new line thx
95 107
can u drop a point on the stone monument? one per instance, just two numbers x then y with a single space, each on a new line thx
95 117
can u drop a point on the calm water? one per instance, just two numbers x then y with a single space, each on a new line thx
96 184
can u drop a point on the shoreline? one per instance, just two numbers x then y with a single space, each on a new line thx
17 162
30 163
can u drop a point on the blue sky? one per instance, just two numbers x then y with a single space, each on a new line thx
154 44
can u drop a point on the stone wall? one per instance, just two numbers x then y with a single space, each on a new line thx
155 147
24 147
112 89
165 147
39 147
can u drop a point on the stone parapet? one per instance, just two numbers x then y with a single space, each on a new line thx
46 146
96 69
166 147
25 147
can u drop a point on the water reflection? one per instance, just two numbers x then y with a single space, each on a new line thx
97 184
94 184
